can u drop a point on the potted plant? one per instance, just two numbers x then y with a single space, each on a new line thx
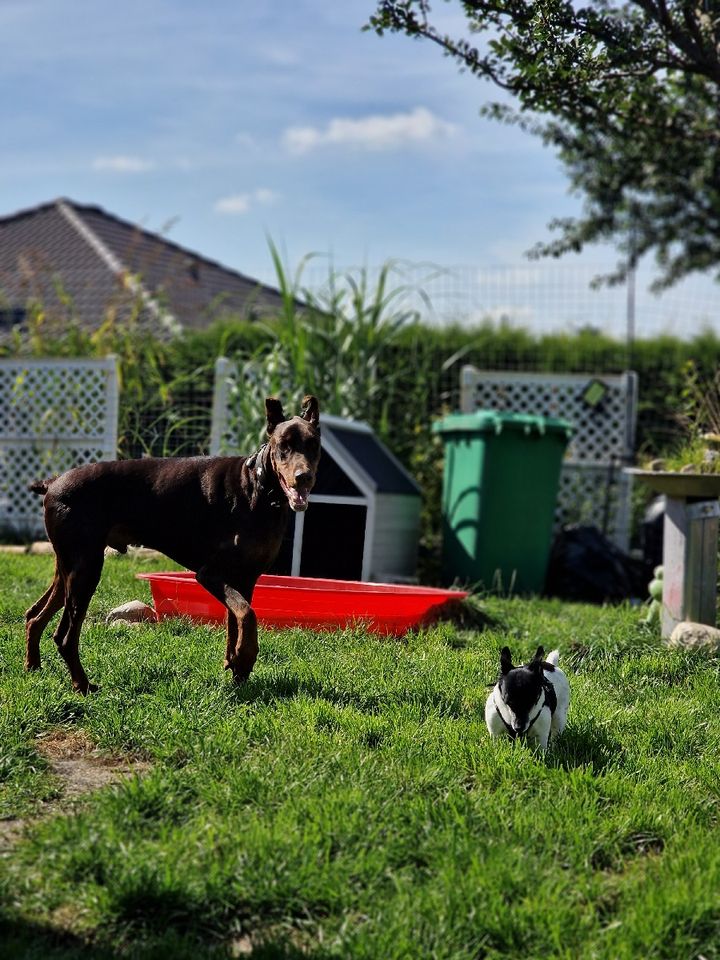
693 469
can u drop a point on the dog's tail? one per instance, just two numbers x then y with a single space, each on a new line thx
553 658
40 486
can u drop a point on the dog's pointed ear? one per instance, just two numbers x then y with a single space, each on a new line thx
537 660
505 661
274 413
310 411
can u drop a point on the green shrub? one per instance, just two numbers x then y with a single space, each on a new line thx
363 352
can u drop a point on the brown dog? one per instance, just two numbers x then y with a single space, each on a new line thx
223 517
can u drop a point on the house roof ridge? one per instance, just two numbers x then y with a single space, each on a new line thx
99 249
81 208
31 211
186 251
69 210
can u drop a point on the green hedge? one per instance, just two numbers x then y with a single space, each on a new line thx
166 384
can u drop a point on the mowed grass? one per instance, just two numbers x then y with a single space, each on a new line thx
347 801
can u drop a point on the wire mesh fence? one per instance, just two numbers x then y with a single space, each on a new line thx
553 297
540 301
178 427
513 314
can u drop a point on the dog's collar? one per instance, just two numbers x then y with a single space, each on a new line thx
513 735
510 731
258 462
251 460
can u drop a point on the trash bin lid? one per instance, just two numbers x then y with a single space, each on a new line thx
496 421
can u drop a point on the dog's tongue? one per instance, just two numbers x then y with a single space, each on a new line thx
297 498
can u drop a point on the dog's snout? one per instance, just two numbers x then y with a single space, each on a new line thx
303 478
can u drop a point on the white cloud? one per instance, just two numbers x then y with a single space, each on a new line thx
377 132
239 203
122 163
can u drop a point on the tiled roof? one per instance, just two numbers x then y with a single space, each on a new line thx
65 250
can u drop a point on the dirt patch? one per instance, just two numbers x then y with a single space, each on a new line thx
80 767
10 833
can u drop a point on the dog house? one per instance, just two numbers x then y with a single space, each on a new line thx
363 522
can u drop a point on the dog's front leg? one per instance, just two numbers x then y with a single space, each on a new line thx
539 734
242 641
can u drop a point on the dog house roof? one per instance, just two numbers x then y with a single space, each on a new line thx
357 462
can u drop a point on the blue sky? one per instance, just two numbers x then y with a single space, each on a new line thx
223 123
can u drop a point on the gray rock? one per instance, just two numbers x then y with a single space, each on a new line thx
695 636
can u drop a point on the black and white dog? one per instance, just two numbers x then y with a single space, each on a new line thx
530 701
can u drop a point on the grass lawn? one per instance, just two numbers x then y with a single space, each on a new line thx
347 801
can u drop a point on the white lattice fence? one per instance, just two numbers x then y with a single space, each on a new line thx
54 414
603 411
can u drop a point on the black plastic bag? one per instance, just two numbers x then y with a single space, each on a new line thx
585 566
651 532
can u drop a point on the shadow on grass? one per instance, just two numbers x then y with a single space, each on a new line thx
268 690
585 744
26 940
174 921
285 686
23 940
465 614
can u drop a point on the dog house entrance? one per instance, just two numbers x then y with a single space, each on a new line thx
326 524
329 539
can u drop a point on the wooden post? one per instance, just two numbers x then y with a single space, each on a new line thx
690 544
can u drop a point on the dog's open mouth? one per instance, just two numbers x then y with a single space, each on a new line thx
298 499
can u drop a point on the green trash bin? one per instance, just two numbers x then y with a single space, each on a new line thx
500 486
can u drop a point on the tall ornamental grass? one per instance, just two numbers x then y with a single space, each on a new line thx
335 343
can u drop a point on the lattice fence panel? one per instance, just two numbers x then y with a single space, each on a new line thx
54 414
593 488
598 496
